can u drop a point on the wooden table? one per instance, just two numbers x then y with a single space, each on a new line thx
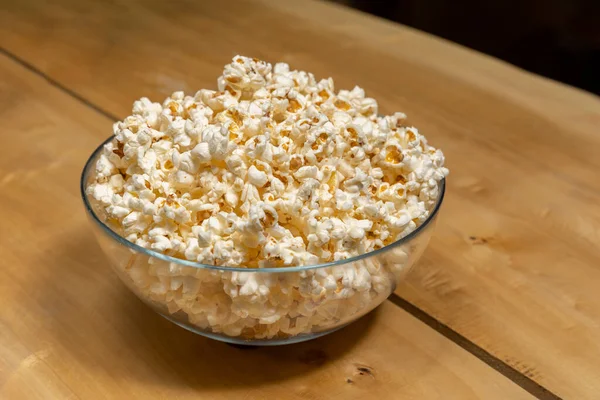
505 302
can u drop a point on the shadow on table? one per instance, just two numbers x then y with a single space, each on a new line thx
108 330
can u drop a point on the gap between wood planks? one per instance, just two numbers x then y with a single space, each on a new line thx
492 361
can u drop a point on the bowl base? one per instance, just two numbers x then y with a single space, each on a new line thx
244 343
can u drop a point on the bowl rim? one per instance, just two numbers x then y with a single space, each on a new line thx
153 253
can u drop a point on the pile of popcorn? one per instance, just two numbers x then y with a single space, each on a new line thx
274 169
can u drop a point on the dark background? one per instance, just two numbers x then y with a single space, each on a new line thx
559 39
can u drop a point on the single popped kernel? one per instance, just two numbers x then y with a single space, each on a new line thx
274 169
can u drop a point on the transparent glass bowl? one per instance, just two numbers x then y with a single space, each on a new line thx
258 306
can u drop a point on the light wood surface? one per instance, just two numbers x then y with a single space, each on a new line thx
70 329
514 265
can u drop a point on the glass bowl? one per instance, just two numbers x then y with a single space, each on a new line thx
253 306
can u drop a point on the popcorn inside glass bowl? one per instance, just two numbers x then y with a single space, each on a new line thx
275 169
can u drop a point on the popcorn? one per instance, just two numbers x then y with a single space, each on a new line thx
256 177
272 170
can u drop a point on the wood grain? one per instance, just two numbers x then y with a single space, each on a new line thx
70 329
514 264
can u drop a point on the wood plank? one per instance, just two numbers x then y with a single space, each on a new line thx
70 329
514 263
